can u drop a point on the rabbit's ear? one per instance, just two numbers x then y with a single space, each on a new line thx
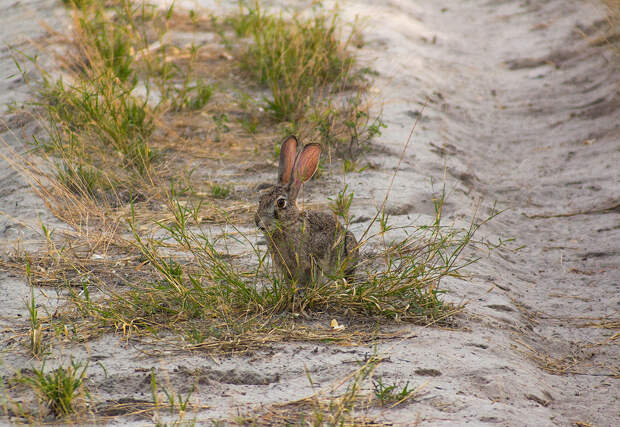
288 151
305 166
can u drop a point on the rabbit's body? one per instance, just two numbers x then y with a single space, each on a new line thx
304 245
302 253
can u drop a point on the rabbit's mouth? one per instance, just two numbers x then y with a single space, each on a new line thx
265 228
260 224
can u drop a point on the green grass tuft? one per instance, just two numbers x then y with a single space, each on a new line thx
219 191
60 388
390 393
110 42
295 58
100 112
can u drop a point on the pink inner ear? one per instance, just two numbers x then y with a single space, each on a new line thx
308 162
288 151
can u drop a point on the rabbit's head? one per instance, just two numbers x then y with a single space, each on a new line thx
277 207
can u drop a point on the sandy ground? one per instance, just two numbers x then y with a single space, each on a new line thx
523 111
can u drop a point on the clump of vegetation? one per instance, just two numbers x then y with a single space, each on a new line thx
97 115
220 191
340 409
95 118
108 42
80 179
296 58
192 97
60 388
391 393
310 68
401 281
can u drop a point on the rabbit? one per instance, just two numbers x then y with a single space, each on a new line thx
304 245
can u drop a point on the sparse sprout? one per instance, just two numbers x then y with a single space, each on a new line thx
383 221
351 165
250 125
375 128
341 204
348 165
195 336
390 394
192 97
175 400
221 125
36 329
220 191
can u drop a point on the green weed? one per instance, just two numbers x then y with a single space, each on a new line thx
341 204
384 221
36 328
345 126
60 388
219 191
390 393
249 124
221 126
348 166
199 95
175 399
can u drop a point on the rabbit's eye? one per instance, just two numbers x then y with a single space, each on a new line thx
281 203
